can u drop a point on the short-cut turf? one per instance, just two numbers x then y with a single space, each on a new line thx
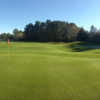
49 71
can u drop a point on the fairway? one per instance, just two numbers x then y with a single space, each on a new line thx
49 71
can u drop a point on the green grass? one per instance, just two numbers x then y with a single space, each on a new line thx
49 71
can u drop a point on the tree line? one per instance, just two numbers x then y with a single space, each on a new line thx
53 31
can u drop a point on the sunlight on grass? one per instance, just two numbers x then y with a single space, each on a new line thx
49 71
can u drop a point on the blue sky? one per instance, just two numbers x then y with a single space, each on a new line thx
18 13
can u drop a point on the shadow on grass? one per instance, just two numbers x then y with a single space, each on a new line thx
83 46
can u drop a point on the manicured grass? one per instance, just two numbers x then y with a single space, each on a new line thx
49 71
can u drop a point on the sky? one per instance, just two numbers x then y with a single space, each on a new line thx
18 13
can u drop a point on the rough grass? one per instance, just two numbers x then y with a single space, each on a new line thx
49 71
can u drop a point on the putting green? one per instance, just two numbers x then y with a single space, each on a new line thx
49 71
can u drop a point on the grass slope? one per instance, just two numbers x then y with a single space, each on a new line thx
49 71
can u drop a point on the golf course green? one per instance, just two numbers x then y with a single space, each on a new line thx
49 71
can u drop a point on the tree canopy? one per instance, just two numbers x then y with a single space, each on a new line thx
53 31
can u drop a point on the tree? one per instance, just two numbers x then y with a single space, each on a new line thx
3 36
28 32
51 31
82 35
93 29
18 35
6 36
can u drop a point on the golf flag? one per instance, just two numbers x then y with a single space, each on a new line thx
8 42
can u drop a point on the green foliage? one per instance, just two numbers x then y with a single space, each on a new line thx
82 35
51 31
6 36
29 32
18 35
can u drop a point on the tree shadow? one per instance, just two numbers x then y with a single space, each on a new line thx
82 46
